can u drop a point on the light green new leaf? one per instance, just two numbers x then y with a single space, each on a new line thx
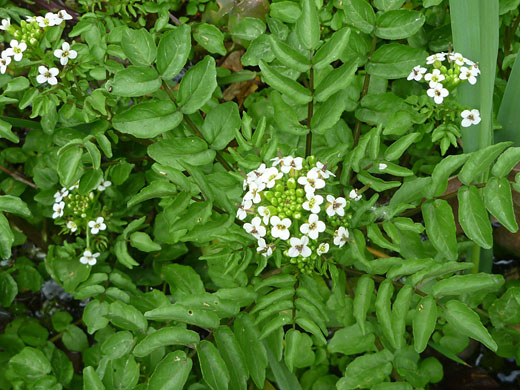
424 321
366 371
440 227
198 85
289 87
308 25
148 119
213 367
135 81
360 14
173 51
143 242
248 337
473 217
69 165
220 125
468 322
398 24
210 38
288 56
335 81
14 205
331 50
499 201
138 46
170 335
480 162
233 356
172 372
91 380
467 284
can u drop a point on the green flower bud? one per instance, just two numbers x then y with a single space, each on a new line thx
311 160
291 183
282 215
278 194
274 202
297 215
268 195
300 193
279 188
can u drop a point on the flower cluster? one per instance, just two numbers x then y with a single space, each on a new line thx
444 73
76 213
28 33
291 208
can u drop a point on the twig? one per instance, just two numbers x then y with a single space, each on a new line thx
18 177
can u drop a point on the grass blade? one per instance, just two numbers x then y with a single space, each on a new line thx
508 114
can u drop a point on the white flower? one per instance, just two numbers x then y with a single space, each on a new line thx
74 186
322 248
89 257
470 117
243 208
31 19
255 175
314 227
5 24
104 185
58 209
16 50
417 73
435 57
438 93
468 74
264 213
61 16
47 75
254 192
280 227
382 166
341 236
4 61
469 62
336 206
322 170
270 176
263 248
291 163
299 247
312 181
434 78
255 228
71 225
48 20
61 194
353 195
313 202
97 225
457 58
65 53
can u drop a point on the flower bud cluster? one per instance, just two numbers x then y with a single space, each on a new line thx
289 207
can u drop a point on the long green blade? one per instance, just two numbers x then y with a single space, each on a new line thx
509 114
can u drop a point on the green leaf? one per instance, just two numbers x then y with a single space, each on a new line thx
473 217
398 24
440 227
126 317
94 315
186 314
399 312
233 356
5 132
30 363
172 372
442 172
172 152
90 181
138 46
383 312
286 11
506 162
499 201
210 38
8 288
135 81
14 205
94 153
337 80
213 367
248 338
366 371
183 280
173 51
298 350
308 25
198 85
166 336
91 380
143 242
288 56
362 299
148 119
424 321
6 237
468 323
220 125
508 115
467 284
297 92
480 161
286 117
331 50
385 5
394 60
121 252
360 14
118 345
156 189
328 113
74 339
69 165
248 29
284 378
351 341
396 150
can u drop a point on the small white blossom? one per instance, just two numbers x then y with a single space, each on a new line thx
255 228
336 206
254 192
382 166
322 170
61 194
16 50
61 16
264 213
314 227
291 163
47 75
434 78
89 258
58 209
438 93
435 57
48 20
5 24
97 225
280 227
270 176
74 186
4 61
312 181
65 53
243 208
263 248
72 226
255 175
104 185
31 19
457 58
312 203
417 73
468 62
341 236
322 248
299 247
470 117
469 74
353 195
